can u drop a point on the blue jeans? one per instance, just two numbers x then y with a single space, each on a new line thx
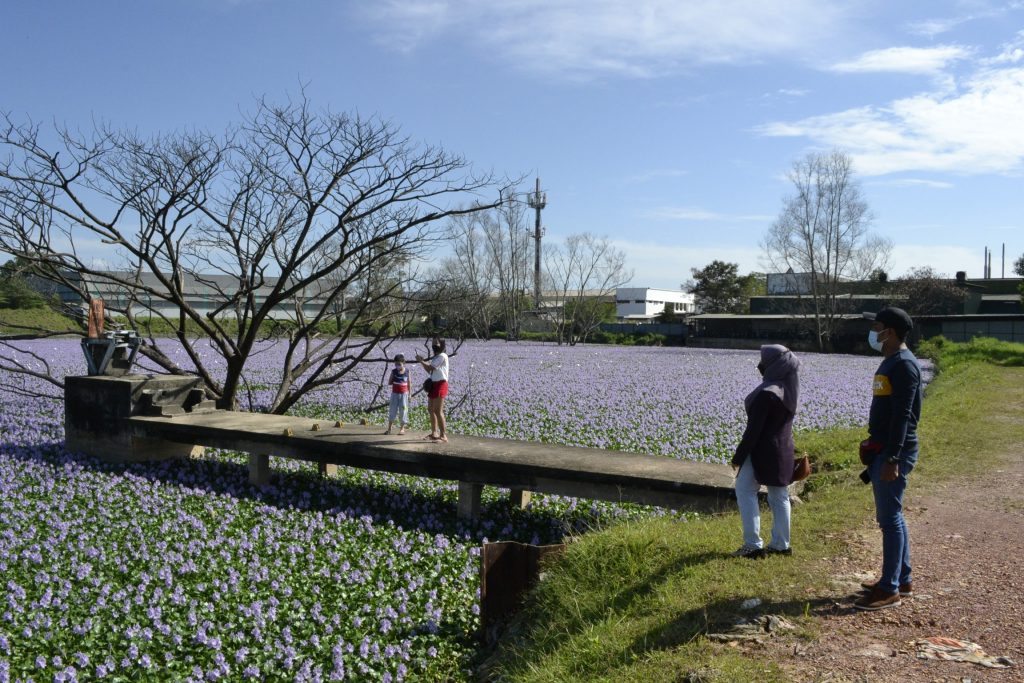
750 512
889 513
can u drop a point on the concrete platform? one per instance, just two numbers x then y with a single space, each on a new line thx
472 461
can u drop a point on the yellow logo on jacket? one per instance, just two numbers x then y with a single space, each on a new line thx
881 386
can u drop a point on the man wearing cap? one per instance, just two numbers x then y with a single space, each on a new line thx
892 448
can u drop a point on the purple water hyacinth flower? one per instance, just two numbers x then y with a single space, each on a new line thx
186 563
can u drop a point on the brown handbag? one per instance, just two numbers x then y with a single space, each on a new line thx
801 468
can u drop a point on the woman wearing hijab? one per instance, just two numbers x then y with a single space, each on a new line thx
765 454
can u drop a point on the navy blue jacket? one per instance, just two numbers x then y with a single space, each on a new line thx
896 404
768 440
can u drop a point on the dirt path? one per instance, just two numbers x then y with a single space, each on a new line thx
967 547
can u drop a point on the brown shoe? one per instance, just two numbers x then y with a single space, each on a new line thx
877 599
906 589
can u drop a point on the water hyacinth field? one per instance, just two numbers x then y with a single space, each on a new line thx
183 571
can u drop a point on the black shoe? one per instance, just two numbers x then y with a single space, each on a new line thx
750 553
778 551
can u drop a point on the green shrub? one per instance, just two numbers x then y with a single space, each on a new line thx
947 354
16 293
602 337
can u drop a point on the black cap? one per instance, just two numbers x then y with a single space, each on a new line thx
893 317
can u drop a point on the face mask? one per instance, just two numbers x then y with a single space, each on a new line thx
873 341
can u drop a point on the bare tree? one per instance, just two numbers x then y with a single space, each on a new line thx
280 217
822 235
582 273
470 275
507 243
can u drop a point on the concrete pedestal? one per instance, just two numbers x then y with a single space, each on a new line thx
97 408
518 498
259 469
469 500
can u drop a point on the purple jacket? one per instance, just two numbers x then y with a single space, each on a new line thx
768 441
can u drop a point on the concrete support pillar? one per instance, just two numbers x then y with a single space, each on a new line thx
259 469
325 469
469 500
518 498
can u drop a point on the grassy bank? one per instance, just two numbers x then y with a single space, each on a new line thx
13 321
634 602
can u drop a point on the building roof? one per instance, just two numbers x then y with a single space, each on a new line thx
767 316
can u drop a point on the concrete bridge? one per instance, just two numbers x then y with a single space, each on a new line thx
142 418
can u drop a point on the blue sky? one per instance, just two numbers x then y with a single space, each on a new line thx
667 125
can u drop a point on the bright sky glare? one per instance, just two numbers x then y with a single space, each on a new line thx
666 125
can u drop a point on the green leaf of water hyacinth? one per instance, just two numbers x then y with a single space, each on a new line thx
181 570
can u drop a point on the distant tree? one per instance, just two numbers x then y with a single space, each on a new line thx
1018 266
823 231
753 284
922 291
507 244
470 275
879 275
668 314
583 272
15 291
719 288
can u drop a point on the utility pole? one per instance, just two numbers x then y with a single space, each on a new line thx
537 201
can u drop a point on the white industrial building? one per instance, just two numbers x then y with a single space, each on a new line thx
644 303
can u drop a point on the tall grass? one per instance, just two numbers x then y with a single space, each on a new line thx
948 354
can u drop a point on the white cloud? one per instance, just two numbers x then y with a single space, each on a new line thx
933 27
654 174
1011 53
976 129
787 94
914 182
584 38
912 60
690 213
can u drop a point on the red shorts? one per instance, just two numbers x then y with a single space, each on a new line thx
438 389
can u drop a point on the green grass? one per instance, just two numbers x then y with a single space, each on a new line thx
13 321
947 354
634 602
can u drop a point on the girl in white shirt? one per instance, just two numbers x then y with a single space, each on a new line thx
437 366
